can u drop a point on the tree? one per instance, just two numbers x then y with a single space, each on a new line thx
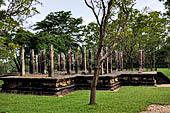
12 17
91 33
60 29
110 34
167 6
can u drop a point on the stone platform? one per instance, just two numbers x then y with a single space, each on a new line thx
62 84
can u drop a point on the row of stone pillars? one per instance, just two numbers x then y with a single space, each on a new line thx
72 62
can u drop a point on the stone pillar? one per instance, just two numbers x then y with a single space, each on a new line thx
76 60
90 61
51 61
80 63
69 60
63 65
84 65
43 65
39 62
32 63
72 62
116 60
36 64
110 63
95 53
106 63
58 63
141 60
119 60
102 69
22 62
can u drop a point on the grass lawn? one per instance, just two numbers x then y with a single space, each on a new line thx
166 71
126 100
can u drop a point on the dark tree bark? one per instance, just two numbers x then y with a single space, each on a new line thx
17 64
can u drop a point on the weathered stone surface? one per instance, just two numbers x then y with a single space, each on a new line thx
55 86
76 61
102 67
43 62
72 62
110 63
84 64
95 53
90 61
32 63
51 61
22 62
39 62
119 60
106 62
58 63
69 60
36 64
63 65
141 60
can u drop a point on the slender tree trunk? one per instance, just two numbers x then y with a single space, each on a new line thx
126 64
151 64
17 64
93 86
131 64
154 61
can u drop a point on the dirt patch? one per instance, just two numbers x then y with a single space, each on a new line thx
157 109
163 85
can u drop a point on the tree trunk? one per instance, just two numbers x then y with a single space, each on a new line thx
131 64
154 61
93 86
17 64
151 65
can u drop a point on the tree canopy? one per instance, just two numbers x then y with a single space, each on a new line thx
60 29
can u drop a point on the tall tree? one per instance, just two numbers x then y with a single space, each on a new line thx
110 34
60 29
13 13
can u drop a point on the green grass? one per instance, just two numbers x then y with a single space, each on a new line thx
166 71
126 100
1 82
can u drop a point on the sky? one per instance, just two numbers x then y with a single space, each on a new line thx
79 9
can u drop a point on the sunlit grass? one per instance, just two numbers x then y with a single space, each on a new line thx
165 71
127 100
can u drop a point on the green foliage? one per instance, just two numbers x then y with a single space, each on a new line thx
127 100
91 33
1 82
167 7
59 29
11 19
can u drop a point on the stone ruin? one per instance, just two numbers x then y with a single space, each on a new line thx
74 62
78 73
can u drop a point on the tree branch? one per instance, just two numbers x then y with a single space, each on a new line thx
93 11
